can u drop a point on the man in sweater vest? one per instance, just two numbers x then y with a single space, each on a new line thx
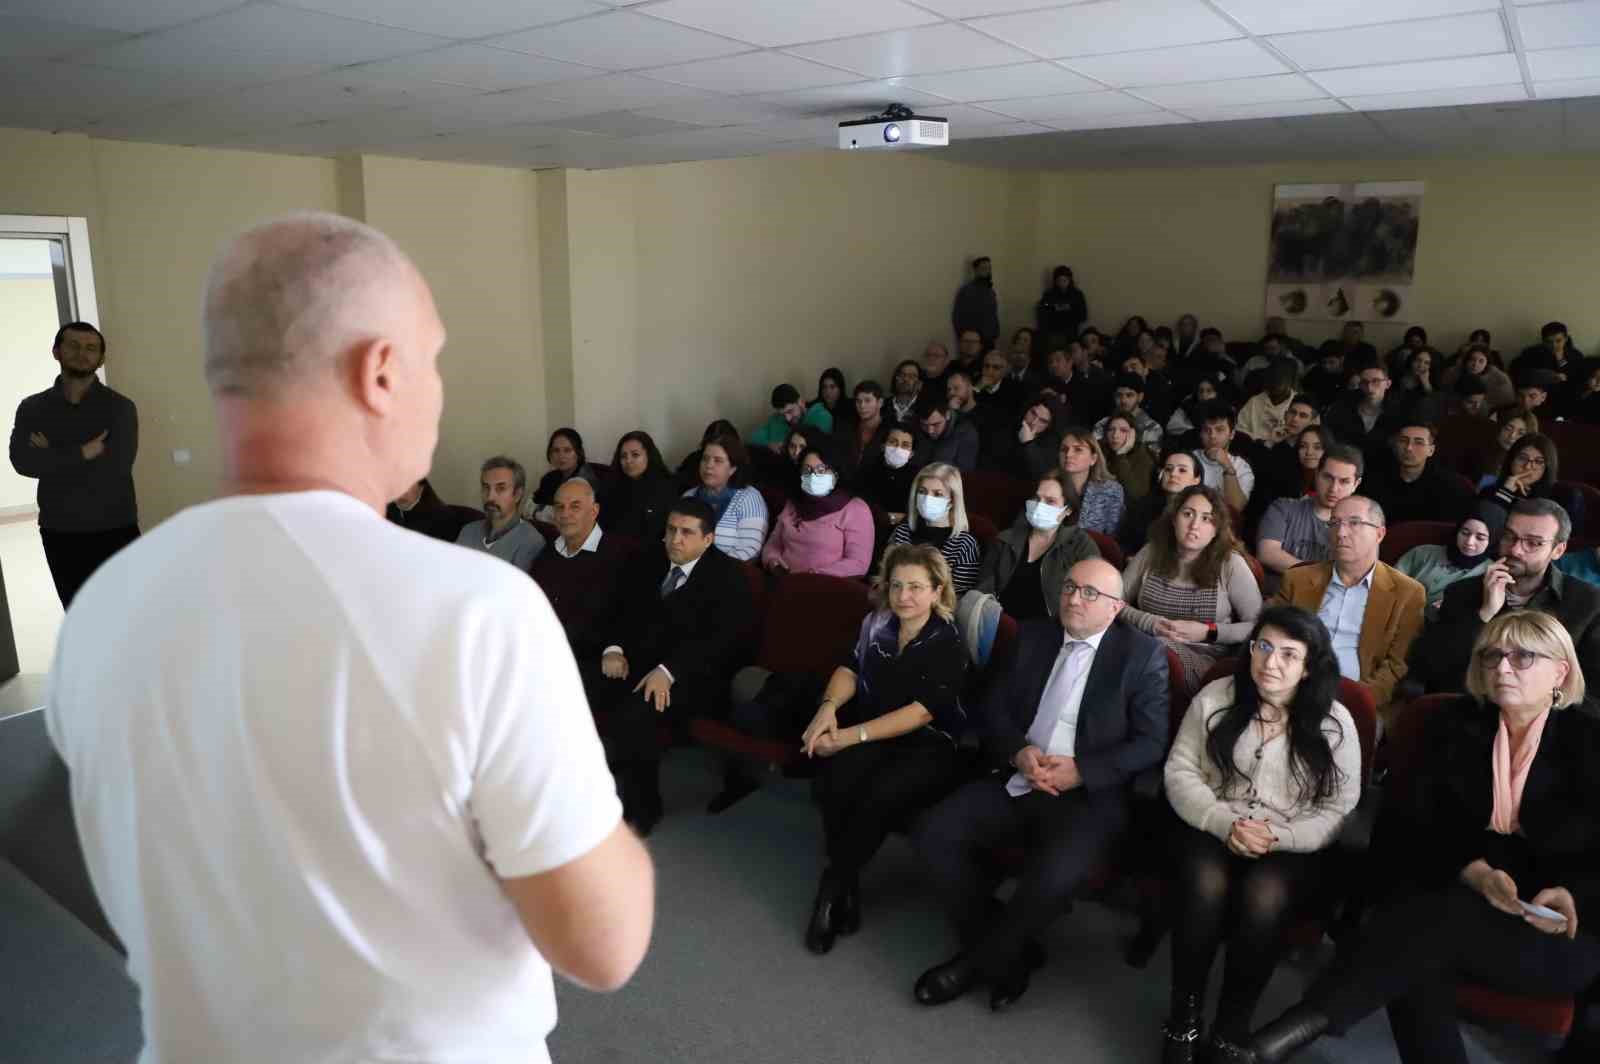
582 573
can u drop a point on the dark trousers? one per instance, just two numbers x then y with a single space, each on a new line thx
1415 950
74 556
1062 838
630 726
868 790
1219 896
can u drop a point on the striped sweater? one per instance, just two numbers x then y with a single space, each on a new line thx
743 527
960 552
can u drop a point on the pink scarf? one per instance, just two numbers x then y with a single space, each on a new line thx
1510 777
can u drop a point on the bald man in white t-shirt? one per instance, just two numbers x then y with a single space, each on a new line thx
338 785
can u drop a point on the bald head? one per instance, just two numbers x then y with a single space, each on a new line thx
1080 617
576 511
287 298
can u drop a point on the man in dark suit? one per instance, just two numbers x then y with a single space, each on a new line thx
686 614
1080 713
1367 419
421 510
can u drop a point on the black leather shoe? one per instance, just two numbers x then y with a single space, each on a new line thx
733 792
1007 992
847 910
1280 1039
1181 1033
945 982
821 931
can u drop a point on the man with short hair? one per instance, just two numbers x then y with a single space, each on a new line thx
1157 389
788 413
1264 416
1554 352
502 531
1081 711
1220 468
1128 397
1472 394
686 612
78 439
1354 347
947 437
1326 380
1534 389
1295 531
581 574
1410 485
1523 577
869 426
336 784
977 306
969 349
936 363
1366 419
421 510
1372 611
994 382
907 385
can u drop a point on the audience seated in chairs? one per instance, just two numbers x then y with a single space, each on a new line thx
1032 445
1265 416
1080 712
1325 381
788 412
824 529
688 473
739 509
886 729
1474 364
1534 388
1264 770
503 532
834 399
907 392
1410 485
865 435
565 454
1436 566
945 437
1367 418
1372 612
1093 495
1415 390
886 477
1178 470
1183 430
1129 461
1499 810
686 609
1512 428
1229 473
1295 530
1190 586
936 516
1027 563
1129 396
421 510
1288 470
1529 470
641 490
1523 577
581 572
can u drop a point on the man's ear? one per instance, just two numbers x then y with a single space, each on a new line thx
375 366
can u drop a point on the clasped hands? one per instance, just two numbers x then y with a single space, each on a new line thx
1251 838
1054 774
656 684
1500 891
822 737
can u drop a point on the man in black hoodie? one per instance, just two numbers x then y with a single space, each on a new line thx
977 306
1062 310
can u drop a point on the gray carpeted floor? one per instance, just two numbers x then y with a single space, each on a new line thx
727 979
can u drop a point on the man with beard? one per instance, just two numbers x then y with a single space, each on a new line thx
977 306
78 439
503 532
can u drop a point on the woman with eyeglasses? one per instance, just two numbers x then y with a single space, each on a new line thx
1476 542
936 516
886 729
1263 772
824 528
1490 838
1027 563
1190 586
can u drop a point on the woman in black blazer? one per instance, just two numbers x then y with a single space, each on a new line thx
1494 835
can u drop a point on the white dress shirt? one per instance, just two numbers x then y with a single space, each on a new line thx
1055 725
1343 610
591 544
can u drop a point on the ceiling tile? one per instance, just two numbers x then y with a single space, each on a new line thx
461 19
980 8
1233 92
1165 66
26 37
1009 129
209 71
57 95
855 99
1076 105
1560 25
477 67
1439 38
775 24
1420 77
140 17
716 111
924 50
622 124
1439 97
753 72
620 40
1276 16
1280 109
993 83
1111 26
521 106
618 92
347 92
1159 118
1564 63
1549 90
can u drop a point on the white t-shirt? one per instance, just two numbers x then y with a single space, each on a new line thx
303 744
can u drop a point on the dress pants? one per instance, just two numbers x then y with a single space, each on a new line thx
866 791
1421 943
74 556
1063 839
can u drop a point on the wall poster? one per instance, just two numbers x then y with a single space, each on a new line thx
1343 252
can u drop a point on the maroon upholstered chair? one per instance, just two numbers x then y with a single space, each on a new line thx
1256 571
1108 548
998 496
1407 534
1586 524
983 529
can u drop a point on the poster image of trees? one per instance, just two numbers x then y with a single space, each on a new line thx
1343 252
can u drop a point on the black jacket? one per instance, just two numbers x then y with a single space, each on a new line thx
431 516
1343 419
957 446
638 508
977 307
1060 314
1437 495
1122 720
699 632
887 489
78 494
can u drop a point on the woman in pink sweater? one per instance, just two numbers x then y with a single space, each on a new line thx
825 529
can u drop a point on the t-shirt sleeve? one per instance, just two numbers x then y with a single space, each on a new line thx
1274 523
541 793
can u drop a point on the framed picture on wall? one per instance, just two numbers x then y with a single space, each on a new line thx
1344 252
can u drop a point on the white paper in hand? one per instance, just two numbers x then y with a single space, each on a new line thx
1542 912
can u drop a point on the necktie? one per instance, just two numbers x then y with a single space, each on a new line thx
673 581
1077 656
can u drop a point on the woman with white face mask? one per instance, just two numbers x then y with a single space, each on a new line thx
824 528
936 515
1027 563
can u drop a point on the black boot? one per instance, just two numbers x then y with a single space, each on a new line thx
847 913
824 912
1277 1041
736 786
1181 1033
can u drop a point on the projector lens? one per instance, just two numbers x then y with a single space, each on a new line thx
891 133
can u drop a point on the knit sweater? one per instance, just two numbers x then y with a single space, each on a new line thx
960 551
743 527
1101 507
1194 783
585 590
1238 597
837 544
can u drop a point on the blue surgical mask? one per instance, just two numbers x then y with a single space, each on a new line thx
932 507
817 484
1042 515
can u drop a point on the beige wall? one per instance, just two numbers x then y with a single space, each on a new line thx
28 320
1505 245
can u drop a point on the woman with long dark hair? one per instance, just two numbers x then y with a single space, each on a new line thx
833 397
641 490
1263 772
565 454
1529 470
1127 458
740 510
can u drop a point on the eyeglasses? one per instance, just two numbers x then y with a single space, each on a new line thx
896 586
1262 648
1510 539
1521 660
1089 594
1352 523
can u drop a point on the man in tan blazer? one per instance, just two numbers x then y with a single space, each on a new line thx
1372 611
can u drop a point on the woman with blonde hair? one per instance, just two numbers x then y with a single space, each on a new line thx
1491 837
1094 495
936 516
886 729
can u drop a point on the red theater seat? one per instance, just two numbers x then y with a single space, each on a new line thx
998 496
1108 548
1407 534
